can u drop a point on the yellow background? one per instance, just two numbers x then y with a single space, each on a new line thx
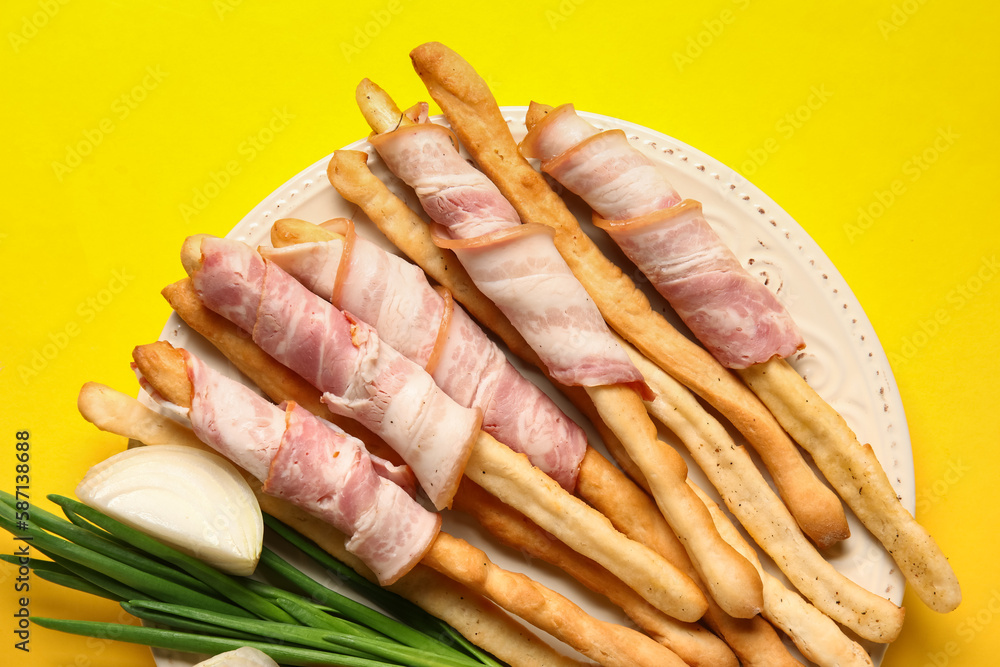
872 123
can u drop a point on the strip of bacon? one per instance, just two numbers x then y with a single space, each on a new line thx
733 315
395 298
312 464
361 377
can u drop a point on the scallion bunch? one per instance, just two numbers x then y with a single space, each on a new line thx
190 606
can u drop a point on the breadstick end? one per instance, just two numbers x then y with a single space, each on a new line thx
536 112
89 399
450 74
165 369
191 257
290 231
344 162
380 111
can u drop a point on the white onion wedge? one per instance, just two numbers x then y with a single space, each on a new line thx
241 657
192 500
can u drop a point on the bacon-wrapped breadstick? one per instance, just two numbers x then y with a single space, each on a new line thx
735 317
174 376
302 459
364 378
478 619
473 114
519 268
425 325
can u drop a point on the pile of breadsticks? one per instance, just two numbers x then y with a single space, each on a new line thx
316 321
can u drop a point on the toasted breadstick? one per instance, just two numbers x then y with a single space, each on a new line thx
752 639
477 619
754 504
550 611
163 367
858 476
666 471
474 116
690 641
813 632
513 479
602 485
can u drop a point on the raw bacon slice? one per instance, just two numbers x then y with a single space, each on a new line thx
473 219
454 194
330 473
315 465
706 285
341 356
392 295
521 271
734 316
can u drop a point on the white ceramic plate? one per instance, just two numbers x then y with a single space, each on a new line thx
843 359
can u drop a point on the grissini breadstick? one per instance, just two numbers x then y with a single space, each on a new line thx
672 243
479 620
506 259
325 345
166 370
763 515
476 119
856 474
630 509
814 633
694 644
753 640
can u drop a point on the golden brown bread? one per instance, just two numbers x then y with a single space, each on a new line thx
762 513
813 632
695 645
854 470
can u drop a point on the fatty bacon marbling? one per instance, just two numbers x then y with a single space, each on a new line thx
733 315
516 265
360 376
312 464
394 297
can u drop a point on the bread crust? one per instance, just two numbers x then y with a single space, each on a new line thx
762 514
854 470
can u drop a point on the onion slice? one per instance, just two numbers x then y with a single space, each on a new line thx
195 501
244 656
